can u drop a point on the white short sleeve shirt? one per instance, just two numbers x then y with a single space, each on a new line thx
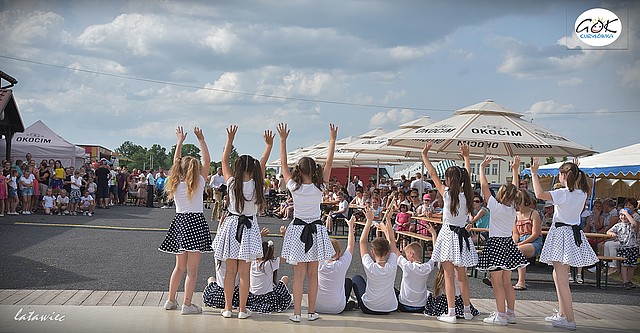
567 205
261 278
379 294
502 218
306 201
331 276
459 220
413 288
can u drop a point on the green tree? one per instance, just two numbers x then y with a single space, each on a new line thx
188 149
158 155
233 156
551 160
129 149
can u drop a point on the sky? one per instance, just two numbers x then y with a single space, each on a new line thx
105 72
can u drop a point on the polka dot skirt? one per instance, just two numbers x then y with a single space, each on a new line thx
501 253
188 232
226 246
437 306
277 300
560 246
631 253
447 248
293 247
213 296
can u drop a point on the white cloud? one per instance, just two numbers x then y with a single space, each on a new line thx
630 75
393 116
132 33
392 95
550 107
530 62
220 39
574 81
461 54
215 93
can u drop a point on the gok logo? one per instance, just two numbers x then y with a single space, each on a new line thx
598 27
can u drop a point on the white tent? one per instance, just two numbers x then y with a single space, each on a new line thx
617 171
43 144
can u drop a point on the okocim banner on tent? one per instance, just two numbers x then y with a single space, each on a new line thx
43 144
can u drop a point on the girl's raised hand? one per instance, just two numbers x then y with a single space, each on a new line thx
231 132
426 148
535 165
283 230
264 232
464 149
333 129
180 134
268 137
486 161
516 162
283 132
368 213
198 132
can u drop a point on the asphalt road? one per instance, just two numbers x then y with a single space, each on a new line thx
116 249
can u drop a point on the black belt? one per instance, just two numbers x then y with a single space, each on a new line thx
576 231
463 235
307 233
243 221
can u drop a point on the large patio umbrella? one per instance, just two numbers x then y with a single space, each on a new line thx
490 129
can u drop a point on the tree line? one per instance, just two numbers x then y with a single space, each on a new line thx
156 157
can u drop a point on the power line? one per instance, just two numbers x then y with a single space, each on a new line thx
299 99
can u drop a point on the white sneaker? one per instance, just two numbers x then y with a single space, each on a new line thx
226 313
468 316
579 279
511 318
295 318
168 305
495 319
191 309
85 213
90 214
313 316
448 319
570 278
563 323
244 315
59 214
555 316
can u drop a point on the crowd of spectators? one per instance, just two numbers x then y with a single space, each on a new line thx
28 187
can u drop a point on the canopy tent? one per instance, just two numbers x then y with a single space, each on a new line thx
617 171
490 129
43 143
372 133
442 167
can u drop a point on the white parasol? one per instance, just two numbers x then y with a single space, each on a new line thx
490 129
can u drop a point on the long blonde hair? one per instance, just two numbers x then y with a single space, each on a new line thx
438 283
186 169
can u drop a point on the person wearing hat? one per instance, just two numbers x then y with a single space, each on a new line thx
425 209
624 245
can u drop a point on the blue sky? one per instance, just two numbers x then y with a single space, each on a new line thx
403 59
